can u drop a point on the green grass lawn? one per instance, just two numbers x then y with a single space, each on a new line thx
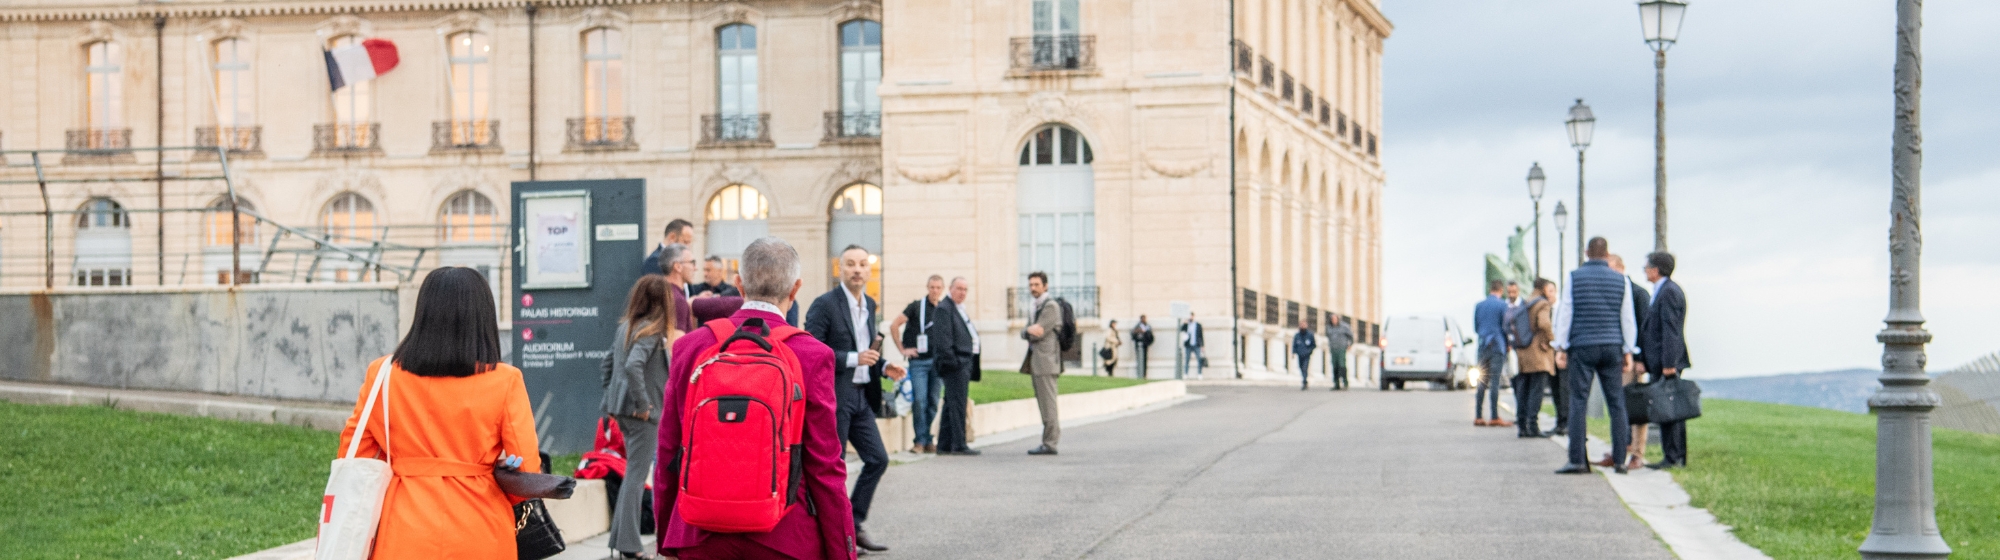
93 482
1799 482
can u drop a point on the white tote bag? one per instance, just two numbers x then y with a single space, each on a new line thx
354 490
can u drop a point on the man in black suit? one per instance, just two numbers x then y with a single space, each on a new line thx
1663 348
1142 339
678 231
844 319
957 375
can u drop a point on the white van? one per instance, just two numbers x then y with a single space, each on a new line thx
1424 348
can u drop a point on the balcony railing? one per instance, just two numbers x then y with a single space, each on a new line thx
1270 309
1340 124
245 141
347 139
1267 75
1082 301
1250 301
1245 58
465 137
600 134
1055 53
98 145
1325 113
1371 143
853 127
1306 101
1285 86
736 130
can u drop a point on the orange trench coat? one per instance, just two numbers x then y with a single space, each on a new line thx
445 433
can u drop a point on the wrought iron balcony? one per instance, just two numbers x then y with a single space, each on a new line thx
98 145
1267 75
1371 143
1082 301
1285 86
853 127
600 134
1325 113
465 137
1245 58
1055 53
246 141
1270 309
736 130
1340 124
1306 102
347 139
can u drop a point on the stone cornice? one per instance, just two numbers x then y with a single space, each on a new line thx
283 8
1371 13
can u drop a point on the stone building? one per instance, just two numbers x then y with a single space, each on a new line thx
1235 164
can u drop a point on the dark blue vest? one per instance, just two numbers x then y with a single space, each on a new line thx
1596 292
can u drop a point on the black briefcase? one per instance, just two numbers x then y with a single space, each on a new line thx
1673 399
1638 404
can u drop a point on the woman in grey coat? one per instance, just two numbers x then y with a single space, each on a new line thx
635 375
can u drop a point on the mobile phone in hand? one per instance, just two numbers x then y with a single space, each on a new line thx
877 344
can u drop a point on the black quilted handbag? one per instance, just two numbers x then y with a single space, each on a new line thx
1673 399
535 534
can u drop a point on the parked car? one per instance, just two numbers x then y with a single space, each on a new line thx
1425 348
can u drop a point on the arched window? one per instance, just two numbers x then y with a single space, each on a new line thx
469 217
856 219
104 70
735 218
471 88
349 217
604 86
103 244
353 107
218 256
218 225
1056 193
860 74
736 72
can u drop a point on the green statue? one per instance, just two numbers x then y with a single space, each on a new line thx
1517 268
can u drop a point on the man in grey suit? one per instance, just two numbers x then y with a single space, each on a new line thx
1044 363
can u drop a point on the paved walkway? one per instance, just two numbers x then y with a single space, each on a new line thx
1265 472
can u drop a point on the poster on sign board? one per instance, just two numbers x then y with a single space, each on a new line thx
556 249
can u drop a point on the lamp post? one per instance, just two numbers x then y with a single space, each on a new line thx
1535 181
1661 21
1905 524
1580 124
1562 220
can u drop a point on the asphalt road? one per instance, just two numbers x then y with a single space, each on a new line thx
1264 472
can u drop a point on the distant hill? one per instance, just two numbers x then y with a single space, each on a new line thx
1845 390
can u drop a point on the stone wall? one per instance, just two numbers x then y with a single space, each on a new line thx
279 342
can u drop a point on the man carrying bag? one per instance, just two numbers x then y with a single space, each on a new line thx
1672 401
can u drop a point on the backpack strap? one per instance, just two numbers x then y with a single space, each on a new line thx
782 332
722 328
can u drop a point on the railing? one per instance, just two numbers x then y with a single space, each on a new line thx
1325 113
1250 301
1270 309
1285 86
1055 53
1306 101
98 145
347 139
736 130
600 134
1245 58
863 127
1291 313
239 140
1340 124
462 137
1268 73
1082 301
1371 143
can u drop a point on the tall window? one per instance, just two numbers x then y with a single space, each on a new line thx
218 256
235 102
736 60
1056 44
1056 17
218 226
857 220
104 68
348 218
353 106
860 74
735 218
469 217
103 244
471 87
1057 205
604 86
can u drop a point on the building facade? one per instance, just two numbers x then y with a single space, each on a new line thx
1144 154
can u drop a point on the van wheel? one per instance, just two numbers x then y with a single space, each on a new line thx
1399 384
1385 384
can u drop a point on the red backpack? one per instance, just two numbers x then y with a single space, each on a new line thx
741 429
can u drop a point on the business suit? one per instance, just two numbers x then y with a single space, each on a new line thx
1661 346
1192 341
830 320
652 263
1142 340
956 340
1044 366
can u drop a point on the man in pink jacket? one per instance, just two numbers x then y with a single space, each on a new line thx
821 528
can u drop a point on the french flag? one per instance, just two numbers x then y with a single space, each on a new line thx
354 64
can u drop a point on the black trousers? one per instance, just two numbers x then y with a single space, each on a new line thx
1560 392
1305 369
1139 353
1528 389
1339 361
1674 442
1604 363
951 428
857 426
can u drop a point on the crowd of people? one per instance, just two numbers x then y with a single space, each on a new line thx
1601 326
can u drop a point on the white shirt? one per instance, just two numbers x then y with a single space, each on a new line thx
968 326
857 315
754 305
1656 291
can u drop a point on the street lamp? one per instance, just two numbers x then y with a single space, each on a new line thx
1661 21
1580 124
1535 181
1562 220
1905 523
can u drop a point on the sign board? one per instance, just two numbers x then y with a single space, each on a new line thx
573 264
1181 310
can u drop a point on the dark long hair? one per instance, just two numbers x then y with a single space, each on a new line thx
455 332
648 310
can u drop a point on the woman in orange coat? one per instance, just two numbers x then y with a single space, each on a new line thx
452 410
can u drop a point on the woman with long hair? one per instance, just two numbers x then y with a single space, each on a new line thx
635 376
450 410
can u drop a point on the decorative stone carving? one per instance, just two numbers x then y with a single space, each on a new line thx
855 171
1048 107
95 31
734 12
857 9
462 21
600 16
928 173
225 28
343 25
1178 168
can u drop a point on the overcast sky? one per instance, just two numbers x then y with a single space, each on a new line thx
1778 121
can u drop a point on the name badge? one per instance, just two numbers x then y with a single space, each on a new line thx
923 343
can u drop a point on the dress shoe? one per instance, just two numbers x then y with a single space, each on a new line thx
1043 450
1605 462
861 540
1635 463
1574 468
1663 465
1479 422
930 448
961 452
1619 470
619 555
1500 423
